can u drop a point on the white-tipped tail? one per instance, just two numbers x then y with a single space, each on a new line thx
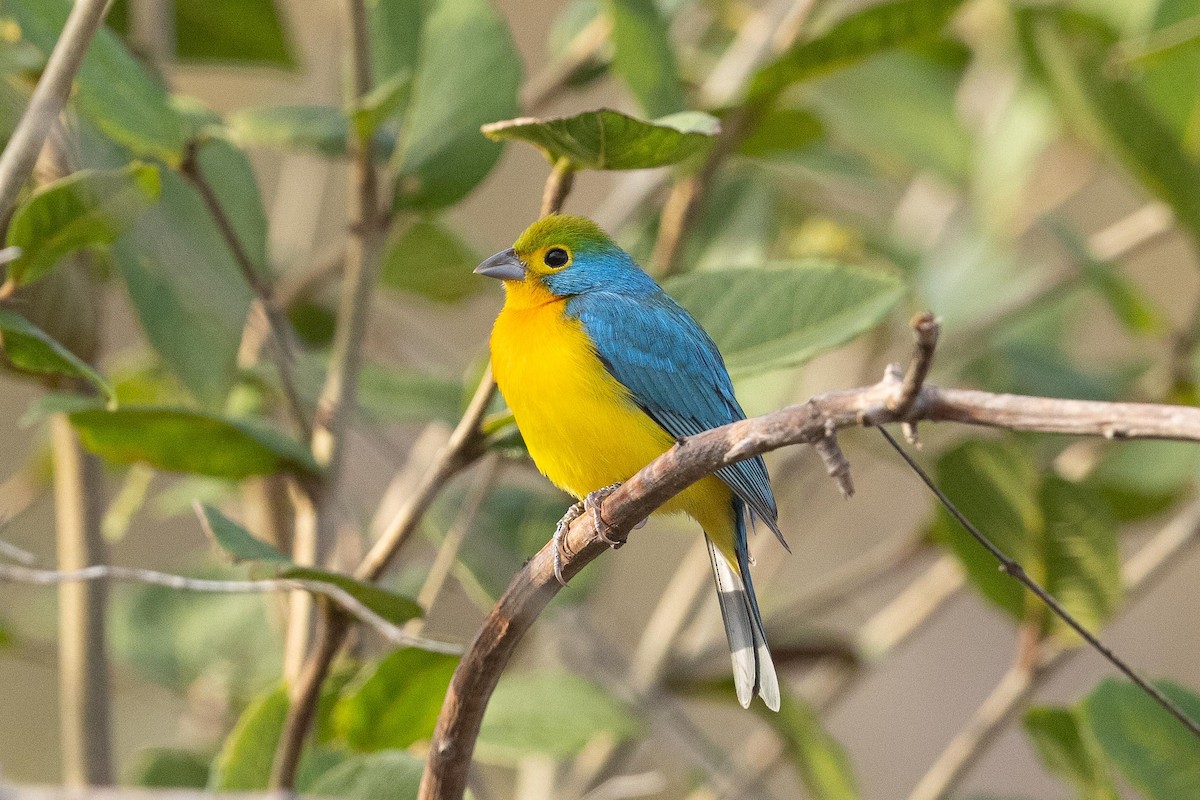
753 670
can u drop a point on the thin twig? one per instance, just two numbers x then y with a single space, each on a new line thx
694 457
925 327
280 328
49 98
1015 570
12 573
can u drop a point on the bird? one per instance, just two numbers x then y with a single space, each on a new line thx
604 372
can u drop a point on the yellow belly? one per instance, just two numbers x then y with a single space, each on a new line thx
580 424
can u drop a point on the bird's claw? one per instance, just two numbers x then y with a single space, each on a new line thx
560 539
590 503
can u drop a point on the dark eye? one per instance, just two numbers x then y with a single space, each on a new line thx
556 257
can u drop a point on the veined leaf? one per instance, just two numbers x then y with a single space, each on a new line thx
430 260
456 88
246 32
114 92
1154 752
241 545
995 485
83 209
397 704
28 347
1070 51
607 139
183 440
244 763
1068 749
772 318
644 57
388 775
863 34
519 721
189 294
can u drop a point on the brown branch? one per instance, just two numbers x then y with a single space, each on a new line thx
533 588
280 328
49 98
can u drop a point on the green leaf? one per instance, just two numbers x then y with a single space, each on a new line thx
227 169
1068 749
170 768
188 292
782 130
1154 752
388 775
319 129
1145 478
241 545
181 440
27 347
114 91
820 761
245 760
607 139
397 703
395 28
83 209
244 32
430 260
520 722
1082 567
237 542
995 485
1071 52
401 396
772 318
456 89
644 58
1169 56
395 608
863 34
380 103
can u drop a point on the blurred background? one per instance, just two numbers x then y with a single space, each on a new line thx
1025 172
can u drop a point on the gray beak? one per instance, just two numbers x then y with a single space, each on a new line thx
504 266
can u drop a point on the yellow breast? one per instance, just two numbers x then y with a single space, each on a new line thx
581 426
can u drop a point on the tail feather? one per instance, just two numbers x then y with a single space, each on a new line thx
753 670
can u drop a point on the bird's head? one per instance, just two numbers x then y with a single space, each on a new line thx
563 256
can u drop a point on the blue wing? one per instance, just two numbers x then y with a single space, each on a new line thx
676 375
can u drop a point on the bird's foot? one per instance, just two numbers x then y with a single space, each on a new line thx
560 539
592 503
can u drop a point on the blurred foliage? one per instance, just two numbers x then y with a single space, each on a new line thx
895 155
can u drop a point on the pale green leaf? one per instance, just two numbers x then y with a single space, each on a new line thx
387 775
521 720
1152 749
244 763
319 129
237 542
83 209
468 74
644 58
114 91
182 440
27 347
995 485
430 260
765 319
170 768
397 703
607 139
242 32
1069 750
870 31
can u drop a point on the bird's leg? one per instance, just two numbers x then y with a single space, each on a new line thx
592 503
560 539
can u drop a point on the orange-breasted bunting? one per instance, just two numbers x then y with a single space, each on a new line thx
604 372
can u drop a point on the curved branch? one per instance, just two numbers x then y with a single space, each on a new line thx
693 458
